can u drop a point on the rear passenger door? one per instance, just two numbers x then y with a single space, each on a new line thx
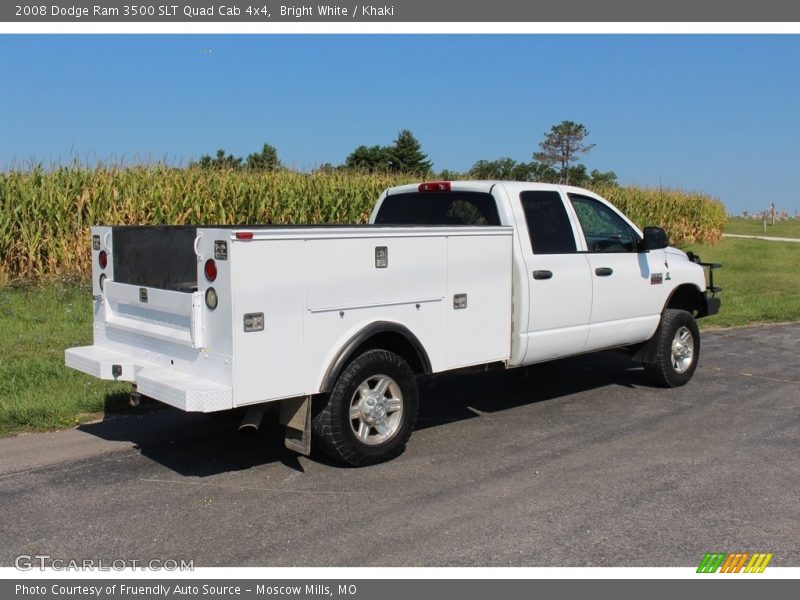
559 279
627 294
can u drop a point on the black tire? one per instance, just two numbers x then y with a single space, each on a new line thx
381 430
673 368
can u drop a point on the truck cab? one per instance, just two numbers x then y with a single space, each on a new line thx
584 276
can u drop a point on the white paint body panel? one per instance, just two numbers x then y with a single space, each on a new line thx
319 287
267 277
626 307
480 268
559 308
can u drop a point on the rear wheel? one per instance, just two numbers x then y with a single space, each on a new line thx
370 413
677 350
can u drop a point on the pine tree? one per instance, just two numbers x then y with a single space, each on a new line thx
406 155
561 146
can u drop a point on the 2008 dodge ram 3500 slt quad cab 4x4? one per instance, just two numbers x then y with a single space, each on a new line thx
336 322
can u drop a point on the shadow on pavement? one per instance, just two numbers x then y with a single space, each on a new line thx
453 397
202 445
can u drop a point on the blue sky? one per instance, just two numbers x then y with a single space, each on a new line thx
716 113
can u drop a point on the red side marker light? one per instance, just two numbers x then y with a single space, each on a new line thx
102 258
210 269
435 186
244 235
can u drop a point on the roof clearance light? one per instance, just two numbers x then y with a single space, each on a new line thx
244 235
435 186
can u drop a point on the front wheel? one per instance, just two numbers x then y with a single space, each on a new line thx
677 350
371 411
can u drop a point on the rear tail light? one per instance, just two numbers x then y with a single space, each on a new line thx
210 269
102 258
435 186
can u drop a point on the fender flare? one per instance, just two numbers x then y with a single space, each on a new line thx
347 351
681 289
704 304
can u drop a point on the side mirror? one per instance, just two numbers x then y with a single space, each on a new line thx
655 238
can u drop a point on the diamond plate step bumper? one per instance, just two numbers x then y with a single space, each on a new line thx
181 390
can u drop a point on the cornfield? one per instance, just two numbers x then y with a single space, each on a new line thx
688 217
45 215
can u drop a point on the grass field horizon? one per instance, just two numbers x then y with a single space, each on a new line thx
784 228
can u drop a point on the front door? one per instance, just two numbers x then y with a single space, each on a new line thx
627 285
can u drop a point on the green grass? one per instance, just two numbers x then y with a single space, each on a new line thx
759 278
37 392
789 228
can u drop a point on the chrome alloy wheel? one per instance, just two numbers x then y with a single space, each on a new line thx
376 410
682 350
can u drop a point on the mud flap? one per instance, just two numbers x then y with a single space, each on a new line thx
296 417
646 353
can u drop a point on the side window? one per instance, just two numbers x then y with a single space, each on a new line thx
604 230
548 224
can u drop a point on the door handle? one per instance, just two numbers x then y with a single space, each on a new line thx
542 274
603 271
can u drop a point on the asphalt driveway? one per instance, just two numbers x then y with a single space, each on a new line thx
575 463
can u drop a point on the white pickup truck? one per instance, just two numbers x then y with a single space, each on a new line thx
336 322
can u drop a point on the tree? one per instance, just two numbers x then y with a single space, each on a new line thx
326 168
542 173
510 170
561 145
448 175
406 155
575 175
603 179
502 168
266 160
373 158
220 161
